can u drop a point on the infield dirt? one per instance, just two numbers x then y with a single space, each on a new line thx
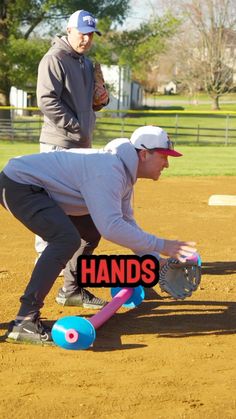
164 359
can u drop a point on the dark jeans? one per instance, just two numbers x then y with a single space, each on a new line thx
65 234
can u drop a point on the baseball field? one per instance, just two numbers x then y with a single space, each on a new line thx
163 359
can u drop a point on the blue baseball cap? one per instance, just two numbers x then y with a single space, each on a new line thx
83 21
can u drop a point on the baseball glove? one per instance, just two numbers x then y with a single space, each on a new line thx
179 279
100 95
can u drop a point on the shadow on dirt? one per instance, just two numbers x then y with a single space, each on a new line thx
164 317
170 319
218 268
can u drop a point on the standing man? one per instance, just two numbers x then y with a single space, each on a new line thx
66 199
69 90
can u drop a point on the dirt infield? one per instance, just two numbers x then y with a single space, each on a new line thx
164 359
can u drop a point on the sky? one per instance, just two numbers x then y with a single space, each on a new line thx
142 10
139 13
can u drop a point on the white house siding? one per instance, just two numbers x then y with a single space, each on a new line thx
119 79
18 98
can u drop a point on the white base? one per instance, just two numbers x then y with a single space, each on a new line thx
226 200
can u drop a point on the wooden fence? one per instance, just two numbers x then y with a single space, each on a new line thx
184 127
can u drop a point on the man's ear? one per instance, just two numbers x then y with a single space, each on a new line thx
142 155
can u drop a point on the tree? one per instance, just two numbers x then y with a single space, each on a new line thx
184 60
215 23
139 48
205 52
21 46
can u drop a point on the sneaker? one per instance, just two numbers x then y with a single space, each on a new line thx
83 298
29 332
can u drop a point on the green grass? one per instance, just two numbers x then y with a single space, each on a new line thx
175 105
203 161
197 160
200 102
200 97
206 107
9 150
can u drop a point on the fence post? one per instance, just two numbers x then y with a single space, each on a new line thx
198 133
122 126
227 130
176 127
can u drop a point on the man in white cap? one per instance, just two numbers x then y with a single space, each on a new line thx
65 93
73 197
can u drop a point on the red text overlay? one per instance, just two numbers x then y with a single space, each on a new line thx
114 271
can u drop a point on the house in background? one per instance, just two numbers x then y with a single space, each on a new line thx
170 88
136 95
18 98
230 54
124 93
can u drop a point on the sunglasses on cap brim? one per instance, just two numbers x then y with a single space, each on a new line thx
165 151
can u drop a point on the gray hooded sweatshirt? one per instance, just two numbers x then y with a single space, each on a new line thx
98 182
65 96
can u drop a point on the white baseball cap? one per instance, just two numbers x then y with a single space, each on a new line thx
83 21
150 137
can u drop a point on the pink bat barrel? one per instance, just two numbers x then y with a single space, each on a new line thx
111 308
74 332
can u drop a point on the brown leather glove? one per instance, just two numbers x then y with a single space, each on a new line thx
100 95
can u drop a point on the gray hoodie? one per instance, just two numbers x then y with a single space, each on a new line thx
98 182
65 94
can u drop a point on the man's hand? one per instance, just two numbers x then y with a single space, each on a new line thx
179 249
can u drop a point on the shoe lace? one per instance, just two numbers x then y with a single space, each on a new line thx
89 297
86 295
40 327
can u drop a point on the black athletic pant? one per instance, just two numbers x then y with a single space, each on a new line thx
65 234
